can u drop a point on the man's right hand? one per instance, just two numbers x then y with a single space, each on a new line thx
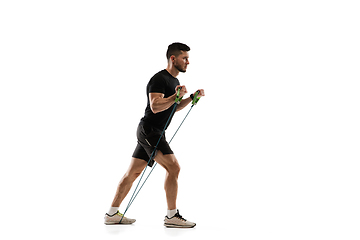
183 90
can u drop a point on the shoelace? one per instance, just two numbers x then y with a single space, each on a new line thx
180 217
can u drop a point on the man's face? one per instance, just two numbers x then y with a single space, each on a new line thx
181 61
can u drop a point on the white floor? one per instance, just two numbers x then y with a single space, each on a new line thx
247 209
236 227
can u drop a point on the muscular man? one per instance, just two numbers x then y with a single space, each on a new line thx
161 94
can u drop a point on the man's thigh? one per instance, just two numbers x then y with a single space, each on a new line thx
167 161
137 165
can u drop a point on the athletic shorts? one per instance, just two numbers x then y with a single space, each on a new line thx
148 137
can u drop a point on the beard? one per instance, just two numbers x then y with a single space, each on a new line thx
180 68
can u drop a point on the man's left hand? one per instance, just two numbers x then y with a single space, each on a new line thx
201 93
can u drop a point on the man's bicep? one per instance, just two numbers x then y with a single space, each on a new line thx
154 95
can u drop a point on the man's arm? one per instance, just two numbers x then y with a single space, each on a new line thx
188 100
183 103
158 103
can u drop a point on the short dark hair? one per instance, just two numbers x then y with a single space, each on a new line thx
175 49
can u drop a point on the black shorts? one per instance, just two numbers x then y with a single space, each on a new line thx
148 137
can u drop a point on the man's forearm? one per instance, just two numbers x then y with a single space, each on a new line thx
183 103
161 104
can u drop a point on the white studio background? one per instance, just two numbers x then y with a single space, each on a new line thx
271 152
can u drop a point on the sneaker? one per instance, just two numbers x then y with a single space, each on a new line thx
177 221
116 218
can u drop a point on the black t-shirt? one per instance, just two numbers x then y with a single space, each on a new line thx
162 82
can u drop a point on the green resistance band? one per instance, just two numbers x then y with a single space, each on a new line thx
177 99
196 98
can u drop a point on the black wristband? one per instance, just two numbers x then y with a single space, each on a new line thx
192 96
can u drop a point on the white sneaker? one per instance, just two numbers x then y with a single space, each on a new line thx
116 218
177 221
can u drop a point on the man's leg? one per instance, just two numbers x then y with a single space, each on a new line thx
172 167
113 216
135 169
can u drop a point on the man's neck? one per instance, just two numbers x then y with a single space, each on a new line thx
173 71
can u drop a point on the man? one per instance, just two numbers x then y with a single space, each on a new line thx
161 94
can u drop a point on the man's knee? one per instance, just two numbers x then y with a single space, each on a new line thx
169 162
174 169
128 179
135 175
135 169
130 176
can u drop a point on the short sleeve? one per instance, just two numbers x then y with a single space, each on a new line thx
157 85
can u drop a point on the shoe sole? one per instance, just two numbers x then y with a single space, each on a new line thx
116 223
177 226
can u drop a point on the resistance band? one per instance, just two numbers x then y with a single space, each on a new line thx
177 101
